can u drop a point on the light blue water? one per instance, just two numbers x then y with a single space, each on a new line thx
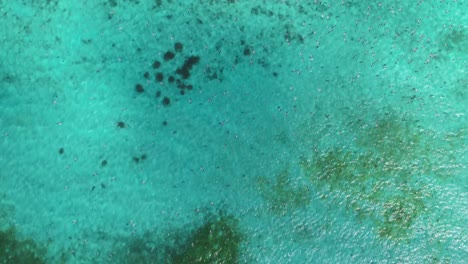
312 132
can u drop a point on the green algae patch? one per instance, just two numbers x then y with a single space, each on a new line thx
379 178
145 248
282 194
399 214
216 241
14 250
392 139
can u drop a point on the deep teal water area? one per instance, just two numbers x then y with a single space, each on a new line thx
233 131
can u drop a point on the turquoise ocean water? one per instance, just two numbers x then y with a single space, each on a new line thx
165 131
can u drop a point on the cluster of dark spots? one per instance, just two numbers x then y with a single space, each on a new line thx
50 6
104 163
214 74
121 124
263 62
184 71
178 47
159 77
290 35
261 11
169 55
103 186
211 75
254 11
181 73
137 159
166 101
61 151
86 41
183 86
139 88
156 64
247 51
112 3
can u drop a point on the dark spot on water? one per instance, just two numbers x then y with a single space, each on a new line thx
166 101
192 60
156 64
184 71
169 55
112 3
121 124
159 77
61 151
183 86
178 47
158 93
139 88
104 163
